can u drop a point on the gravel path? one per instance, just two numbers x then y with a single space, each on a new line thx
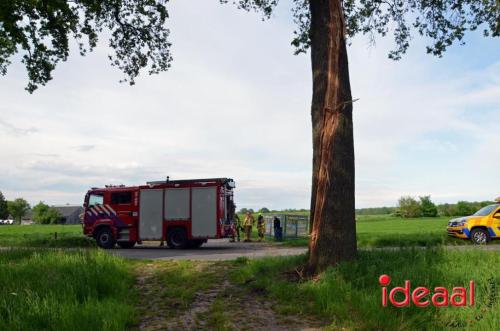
222 249
214 250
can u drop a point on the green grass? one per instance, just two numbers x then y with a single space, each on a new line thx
386 230
182 280
380 231
56 290
169 288
350 296
372 231
43 236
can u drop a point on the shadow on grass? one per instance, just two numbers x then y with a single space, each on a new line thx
350 296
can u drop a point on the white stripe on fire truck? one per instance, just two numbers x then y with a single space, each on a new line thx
93 211
97 209
111 209
103 209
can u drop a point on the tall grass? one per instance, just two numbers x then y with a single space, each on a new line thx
350 295
55 290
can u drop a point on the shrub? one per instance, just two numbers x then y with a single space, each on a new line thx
409 207
429 209
43 214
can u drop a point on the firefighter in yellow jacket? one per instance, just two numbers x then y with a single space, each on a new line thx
248 224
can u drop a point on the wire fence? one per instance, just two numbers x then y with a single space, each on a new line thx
292 226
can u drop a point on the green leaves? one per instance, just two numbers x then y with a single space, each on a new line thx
44 214
18 208
40 31
442 22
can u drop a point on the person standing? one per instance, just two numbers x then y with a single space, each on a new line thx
248 224
237 227
261 227
278 233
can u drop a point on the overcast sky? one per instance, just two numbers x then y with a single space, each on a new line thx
236 104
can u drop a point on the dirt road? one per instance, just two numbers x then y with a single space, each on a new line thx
214 250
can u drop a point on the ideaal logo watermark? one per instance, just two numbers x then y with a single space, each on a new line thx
440 297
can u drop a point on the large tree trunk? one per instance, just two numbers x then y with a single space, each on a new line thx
333 227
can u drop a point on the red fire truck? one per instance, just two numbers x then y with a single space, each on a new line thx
184 213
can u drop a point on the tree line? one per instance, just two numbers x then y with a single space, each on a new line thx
408 207
423 206
19 208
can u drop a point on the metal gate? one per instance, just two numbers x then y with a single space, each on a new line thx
293 226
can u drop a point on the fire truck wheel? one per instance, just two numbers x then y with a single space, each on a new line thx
126 244
177 238
195 243
480 236
105 238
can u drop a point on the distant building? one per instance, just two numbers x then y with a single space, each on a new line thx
69 214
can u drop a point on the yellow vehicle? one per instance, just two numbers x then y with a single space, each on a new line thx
480 227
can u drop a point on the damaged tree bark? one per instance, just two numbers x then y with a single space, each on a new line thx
333 227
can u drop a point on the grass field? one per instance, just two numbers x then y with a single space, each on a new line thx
372 231
386 230
350 296
91 290
43 236
56 290
380 231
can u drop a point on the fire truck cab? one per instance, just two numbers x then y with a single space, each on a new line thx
184 213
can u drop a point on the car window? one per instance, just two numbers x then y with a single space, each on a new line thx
485 211
121 198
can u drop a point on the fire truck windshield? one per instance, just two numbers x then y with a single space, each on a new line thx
95 199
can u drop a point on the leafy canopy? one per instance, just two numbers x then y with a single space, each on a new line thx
429 209
4 213
409 207
44 214
40 30
18 208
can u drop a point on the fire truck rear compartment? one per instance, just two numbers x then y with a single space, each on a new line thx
204 211
151 214
178 204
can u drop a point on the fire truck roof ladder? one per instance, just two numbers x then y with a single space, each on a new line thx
183 181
